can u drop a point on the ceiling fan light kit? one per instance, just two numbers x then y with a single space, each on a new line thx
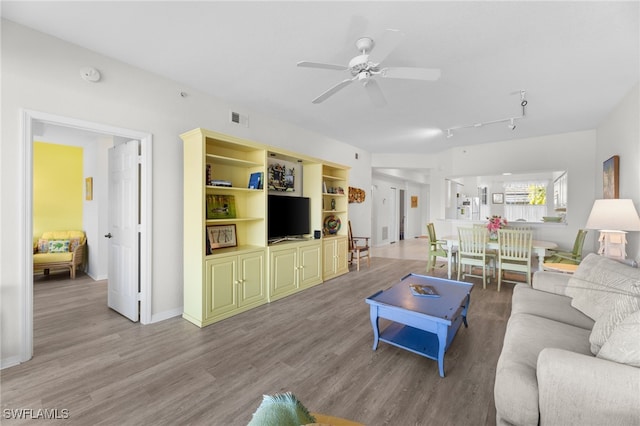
510 120
366 68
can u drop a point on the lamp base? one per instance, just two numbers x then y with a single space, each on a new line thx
613 244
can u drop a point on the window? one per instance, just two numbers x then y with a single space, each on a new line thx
525 200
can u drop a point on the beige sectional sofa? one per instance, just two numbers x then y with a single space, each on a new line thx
571 351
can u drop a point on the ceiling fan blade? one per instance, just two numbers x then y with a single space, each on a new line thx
385 44
333 90
322 65
374 92
430 74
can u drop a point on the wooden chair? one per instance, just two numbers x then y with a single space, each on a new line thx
514 253
437 248
357 249
573 257
472 252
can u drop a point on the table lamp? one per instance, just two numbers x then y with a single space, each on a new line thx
613 217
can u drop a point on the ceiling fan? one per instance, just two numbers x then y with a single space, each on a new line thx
367 65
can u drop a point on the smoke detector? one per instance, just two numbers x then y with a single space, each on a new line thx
90 74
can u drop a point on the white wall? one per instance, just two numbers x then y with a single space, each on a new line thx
41 73
574 152
619 134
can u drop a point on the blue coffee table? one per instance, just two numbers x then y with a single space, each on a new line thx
422 325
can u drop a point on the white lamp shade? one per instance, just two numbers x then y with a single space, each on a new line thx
614 214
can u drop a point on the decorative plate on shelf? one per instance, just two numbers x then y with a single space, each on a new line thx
332 224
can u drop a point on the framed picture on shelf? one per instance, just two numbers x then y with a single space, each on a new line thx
221 206
610 177
220 236
498 198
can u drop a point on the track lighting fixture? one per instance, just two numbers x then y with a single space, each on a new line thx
510 120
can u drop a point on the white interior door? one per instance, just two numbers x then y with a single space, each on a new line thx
123 287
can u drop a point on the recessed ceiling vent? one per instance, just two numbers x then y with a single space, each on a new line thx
238 118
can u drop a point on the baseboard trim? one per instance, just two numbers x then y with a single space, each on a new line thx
9 362
161 316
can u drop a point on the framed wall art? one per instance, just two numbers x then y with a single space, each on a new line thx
221 206
610 177
498 198
220 236
88 189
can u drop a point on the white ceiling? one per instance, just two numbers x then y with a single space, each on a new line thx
576 60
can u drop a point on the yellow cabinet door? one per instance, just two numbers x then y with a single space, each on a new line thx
328 259
251 278
310 270
342 254
220 288
283 267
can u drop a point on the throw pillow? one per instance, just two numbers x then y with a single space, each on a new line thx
597 287
43 245
623 345
281 410
622 306
58 246
73 244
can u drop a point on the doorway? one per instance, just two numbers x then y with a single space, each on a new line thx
402 215
33 122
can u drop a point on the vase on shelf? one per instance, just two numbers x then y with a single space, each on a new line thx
493 235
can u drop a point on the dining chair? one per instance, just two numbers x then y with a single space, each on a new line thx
472 253
437 248
514 253
574 256
492 254
358 249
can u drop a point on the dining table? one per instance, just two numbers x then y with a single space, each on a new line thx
538 247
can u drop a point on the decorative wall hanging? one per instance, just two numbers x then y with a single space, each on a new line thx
356 195
610 177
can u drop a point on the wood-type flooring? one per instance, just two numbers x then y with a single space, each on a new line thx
106 370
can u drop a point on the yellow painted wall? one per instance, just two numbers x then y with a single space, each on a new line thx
58 188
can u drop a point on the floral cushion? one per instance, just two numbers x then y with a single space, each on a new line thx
74 243
58 246
43 246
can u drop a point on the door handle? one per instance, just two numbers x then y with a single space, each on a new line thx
109 235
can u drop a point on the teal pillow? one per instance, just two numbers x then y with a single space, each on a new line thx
58 246
281 410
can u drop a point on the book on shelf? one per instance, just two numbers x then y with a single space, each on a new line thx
423 290
255 180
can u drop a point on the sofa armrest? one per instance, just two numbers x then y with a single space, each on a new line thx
581 389
551 282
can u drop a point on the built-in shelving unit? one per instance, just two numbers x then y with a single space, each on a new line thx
229 267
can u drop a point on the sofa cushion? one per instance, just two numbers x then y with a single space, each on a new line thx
547 305
623 346
58 246
64 235
597 283
516 386
41 258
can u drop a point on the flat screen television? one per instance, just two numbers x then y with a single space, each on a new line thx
288 217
